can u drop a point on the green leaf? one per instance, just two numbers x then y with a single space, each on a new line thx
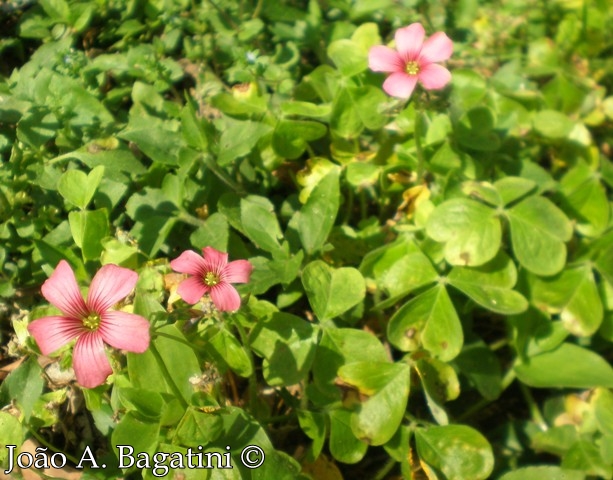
385 387
313 424
482 368
490 285
305 109
139 434
440 384
344 446
24 386
428 320
179 359
79 188
160 144
475 130
227 350
12 434
287 344
538 232
154 216
332 291
542 473
58 10
483 191
88 228
471 231
238 139
585 200
399 267
574 295
457 451
147 403
290 137
198 428
552 124
511 189
346 56
213 232
356 108
267 273
260 222
193 129
315 219
343 346
585 456
468 89
603 410
568 366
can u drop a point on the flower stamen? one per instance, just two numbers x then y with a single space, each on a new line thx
211 279
412 68
92 321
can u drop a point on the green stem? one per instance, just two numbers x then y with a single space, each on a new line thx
421 161
258 8
223 176
385 469
535 412
44 442
167 376
253 381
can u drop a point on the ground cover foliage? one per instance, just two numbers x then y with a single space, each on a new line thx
432 284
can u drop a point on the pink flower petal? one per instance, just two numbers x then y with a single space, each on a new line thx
400 85
189 262
192 289
62 291
437 48
409 41
125 331
384 59
52 333
237 271
110 285
225 297
434 76
89 360
215 260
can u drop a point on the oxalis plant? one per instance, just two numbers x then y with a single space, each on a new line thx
306 239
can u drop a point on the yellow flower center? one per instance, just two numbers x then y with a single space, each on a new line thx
92 321
211 279
412 68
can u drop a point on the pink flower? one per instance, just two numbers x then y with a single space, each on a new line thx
90 321
412 60
211 274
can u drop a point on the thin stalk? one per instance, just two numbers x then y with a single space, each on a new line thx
535 412
223 176
258 9
421 161
385 469
44 442
253 381
167 376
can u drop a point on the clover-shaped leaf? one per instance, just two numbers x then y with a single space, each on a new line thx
428 320
470 230
332 291
385 389
490 285
538 232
